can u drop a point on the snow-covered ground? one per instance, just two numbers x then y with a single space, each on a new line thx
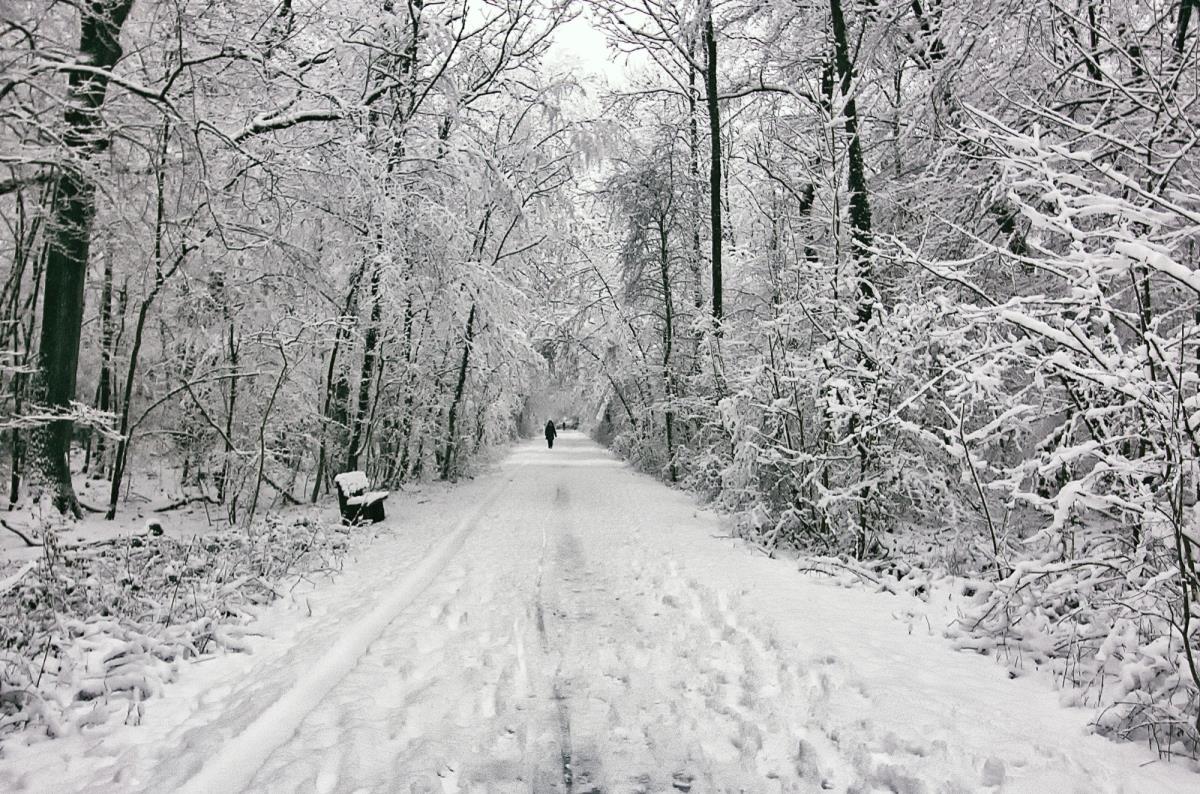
565 624
156 487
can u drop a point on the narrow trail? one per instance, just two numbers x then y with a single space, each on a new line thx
566 625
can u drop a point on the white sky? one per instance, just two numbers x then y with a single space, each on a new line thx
579 45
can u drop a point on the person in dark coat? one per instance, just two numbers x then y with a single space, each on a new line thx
551 433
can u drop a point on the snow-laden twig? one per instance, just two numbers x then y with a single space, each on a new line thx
9 581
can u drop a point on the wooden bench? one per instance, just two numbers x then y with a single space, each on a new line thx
355 501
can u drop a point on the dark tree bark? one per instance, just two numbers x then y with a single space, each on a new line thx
694 186
370 347
668 342
860 204
431 415
68 242
334 404
104 385
1185 17
406 422
452 420
714 174
860 244
230 413
1093 61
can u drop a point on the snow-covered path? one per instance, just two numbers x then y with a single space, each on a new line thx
564 624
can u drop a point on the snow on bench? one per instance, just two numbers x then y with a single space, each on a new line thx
368 498
355 501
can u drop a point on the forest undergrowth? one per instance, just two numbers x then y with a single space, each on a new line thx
90 633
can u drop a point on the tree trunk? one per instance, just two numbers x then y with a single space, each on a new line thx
230 413
118 472
714 173
330 407
261 474
860 245
1185 17
860 205
452 420
694 183
104 386
668 342
370 344
406 421
68 244
1093 56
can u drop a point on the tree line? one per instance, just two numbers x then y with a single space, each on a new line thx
266 244
907 282
915 282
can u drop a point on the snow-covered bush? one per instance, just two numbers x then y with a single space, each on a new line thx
1104 624
1105 583
92 631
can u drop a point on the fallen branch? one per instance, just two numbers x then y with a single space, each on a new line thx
19 533
187 501
287 497
835 564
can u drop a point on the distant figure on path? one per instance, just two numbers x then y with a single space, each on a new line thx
551 433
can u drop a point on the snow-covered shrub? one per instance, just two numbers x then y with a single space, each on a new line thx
1104 624
94 630
854 445
1103 587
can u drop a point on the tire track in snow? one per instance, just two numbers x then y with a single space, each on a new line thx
561 706
564 736
234 765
